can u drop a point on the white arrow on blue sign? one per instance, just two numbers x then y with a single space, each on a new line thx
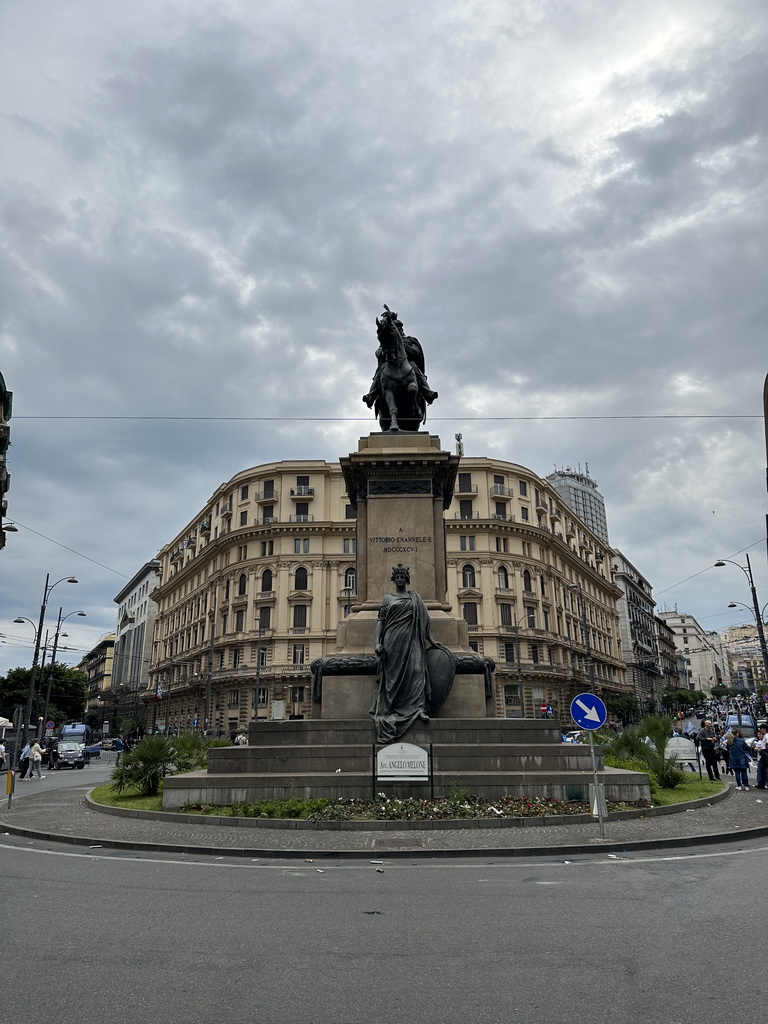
588 711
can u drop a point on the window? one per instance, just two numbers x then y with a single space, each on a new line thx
266 581
262 656
543 586
503 577
301 546
226 591
505 614
468 576
545 613
297 694
512 694
244 517
265 616
298 654
523 488
350 546
240 620
685 640
509 653
242 585
466 510
535 653
470 613
473 646
223 622
349 512
267 547
267 513
524 513
237 657
234 699
527 581
530 615
302 481
302 511
465 483
244 492
467 543
262 696
350 580
242 552
269 489
300 578
221 658
502 544
501 510
527 549
299 616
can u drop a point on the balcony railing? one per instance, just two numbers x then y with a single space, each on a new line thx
466 515
301 519
302 492
500 491
262 496
267 520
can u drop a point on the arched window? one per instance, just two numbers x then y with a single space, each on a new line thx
266 581
503 577
300 578
350 580
242 585
468 576
526 580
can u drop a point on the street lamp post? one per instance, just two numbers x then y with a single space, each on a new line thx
56 636
33 674
755 606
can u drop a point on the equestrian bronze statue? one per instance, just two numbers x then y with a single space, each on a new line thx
399 393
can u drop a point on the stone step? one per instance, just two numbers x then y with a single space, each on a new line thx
358 758
211 788
438 730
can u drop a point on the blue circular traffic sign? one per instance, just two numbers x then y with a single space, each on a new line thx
588 711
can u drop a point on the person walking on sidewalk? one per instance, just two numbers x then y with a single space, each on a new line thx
739 759
707 743
2 755
762 757
35 760
118 747
24 762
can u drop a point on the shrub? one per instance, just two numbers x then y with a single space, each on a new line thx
145 767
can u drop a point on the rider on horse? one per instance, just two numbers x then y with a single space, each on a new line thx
415 356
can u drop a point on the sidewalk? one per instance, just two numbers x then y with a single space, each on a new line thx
63 815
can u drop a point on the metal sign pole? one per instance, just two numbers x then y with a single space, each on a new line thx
598 794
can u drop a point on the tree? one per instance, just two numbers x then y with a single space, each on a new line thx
624 707
68 692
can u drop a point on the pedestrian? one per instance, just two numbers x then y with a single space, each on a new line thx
118 746
24 762
241 740
35 759
739 758
762 757
708 744
2 755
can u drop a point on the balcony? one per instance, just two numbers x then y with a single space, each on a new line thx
501 492
471 489
265 496
298 493
301 519
500 515
226 513
298 630
466 515
269 520
541 505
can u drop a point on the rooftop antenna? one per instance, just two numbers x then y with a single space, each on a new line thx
459 445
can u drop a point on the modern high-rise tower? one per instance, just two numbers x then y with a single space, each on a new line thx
579 491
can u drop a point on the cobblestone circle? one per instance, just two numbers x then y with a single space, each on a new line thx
63 815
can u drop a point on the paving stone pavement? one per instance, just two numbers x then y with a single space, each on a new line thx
63 815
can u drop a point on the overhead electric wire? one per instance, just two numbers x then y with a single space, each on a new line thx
433 419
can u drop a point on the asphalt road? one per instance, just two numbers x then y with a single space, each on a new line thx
94 774
649 939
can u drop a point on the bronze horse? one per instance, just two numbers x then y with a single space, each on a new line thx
400 390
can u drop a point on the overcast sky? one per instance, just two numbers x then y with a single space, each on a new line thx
204 206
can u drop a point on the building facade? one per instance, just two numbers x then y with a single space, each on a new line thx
133 649
639 640
579 492
705 659
251 590
97 666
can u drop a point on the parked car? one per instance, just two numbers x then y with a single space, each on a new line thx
71 754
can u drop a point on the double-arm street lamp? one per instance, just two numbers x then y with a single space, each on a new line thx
747 570
36 656
52 662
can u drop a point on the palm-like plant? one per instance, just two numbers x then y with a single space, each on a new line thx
145 767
